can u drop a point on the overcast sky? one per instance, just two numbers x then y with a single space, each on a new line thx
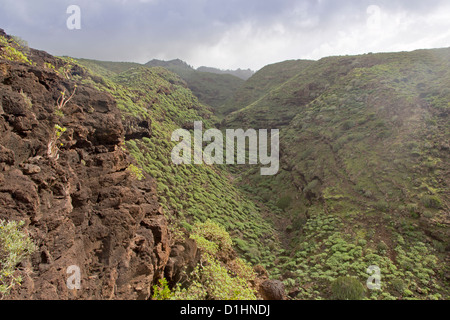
228 34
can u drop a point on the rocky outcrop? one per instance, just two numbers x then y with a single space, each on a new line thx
272 290
81 205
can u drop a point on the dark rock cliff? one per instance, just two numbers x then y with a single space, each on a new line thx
80 204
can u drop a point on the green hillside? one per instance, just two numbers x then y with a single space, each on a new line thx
262 82
243 74
189 194
364 179
363 183
212 89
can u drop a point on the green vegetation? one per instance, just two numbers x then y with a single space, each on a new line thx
216 277
211 89
189 194
54 144
161 291
11 50
15 246
347 288
363 151
364 143
136 172
262 82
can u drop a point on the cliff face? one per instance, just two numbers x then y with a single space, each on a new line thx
64 172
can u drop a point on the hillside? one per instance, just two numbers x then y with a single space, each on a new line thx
85 164
365 172
243 74
65 174
212 89
261 83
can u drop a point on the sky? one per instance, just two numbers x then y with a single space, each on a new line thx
227 34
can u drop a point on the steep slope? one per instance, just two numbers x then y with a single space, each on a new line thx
262 82
63 172
188 193
176 66
108 68
243 74
212 89
73 147
365 174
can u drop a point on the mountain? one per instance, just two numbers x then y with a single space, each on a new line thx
364 178
177 66
361 197
261 83
85 165
210 88
243 74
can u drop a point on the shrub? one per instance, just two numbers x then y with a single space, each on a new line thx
431 202
347 288
382 247
136 172
398 285
15 246
413 208
12 54
162 291
348 124
284 202
213 282
210 235
381 205
213 279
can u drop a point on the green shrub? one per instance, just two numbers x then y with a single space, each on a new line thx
347 288
348 124
398 285
382 247
381 205
12 54
162 291
136 172
431 202
213 279
284 202
15 246
210 234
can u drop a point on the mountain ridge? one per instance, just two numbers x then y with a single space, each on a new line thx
363 178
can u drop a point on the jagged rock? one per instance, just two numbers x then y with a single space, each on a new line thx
82 208
30 169
137 129
272 290
183 259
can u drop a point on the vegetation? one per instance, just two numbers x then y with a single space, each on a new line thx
54 144
363 149
136 172
216 278
189 194
12 50
15 246
347 288
364 143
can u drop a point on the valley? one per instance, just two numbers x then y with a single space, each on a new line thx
363 177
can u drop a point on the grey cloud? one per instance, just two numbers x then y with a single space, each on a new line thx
138 30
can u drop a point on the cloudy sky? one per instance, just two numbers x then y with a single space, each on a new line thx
228 34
